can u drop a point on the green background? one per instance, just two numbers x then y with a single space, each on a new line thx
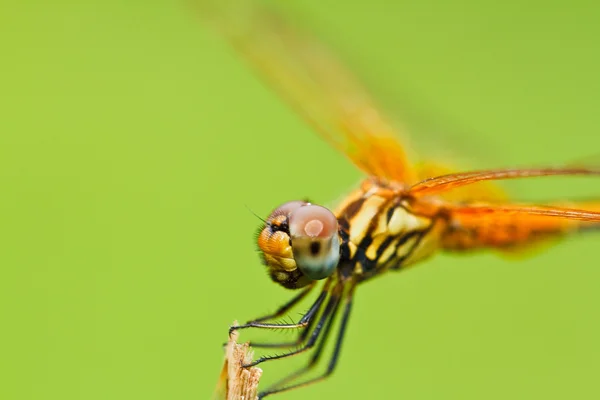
132 142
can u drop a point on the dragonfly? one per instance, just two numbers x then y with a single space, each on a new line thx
403 211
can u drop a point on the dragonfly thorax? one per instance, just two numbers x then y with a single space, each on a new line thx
381 231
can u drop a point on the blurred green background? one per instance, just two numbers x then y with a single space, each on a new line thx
132 142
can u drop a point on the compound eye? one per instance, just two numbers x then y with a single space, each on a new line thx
286 209
315 240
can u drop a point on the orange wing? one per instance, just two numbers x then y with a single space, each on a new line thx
314 83
444 183
476 224
484 191
511 226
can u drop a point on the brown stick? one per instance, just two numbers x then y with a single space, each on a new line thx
235 382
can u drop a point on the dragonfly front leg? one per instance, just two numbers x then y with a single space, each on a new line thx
303 322
285 307
280 311
314 359
277 388
328 314
299 340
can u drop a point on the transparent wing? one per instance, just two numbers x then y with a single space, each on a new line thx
526 213
444 183
314 83
488 191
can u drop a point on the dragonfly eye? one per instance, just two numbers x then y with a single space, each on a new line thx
286 209
315 240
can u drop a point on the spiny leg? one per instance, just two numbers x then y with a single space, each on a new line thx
285 307
310 314
314 359
299 340
334 358
330 309
300 324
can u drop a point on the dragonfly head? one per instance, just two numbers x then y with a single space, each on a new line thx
300 243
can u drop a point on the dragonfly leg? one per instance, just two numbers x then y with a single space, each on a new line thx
299 340
285 307
328 313
314 359
332 362
303 322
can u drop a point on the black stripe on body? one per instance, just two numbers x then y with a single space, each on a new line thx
353 208
384 245
361 254
369 266
344 226
344 246
412 249
410 252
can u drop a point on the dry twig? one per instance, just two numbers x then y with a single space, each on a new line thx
235 382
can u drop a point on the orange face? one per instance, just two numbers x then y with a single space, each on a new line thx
300 244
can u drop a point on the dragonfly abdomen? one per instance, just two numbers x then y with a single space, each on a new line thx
513 232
